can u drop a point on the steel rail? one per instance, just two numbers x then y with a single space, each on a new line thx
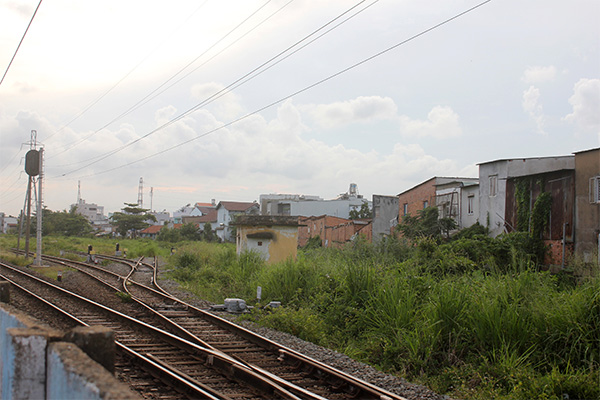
231 368
349 383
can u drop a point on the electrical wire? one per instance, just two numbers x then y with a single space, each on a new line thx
328 78
226 89
94 102
20 42
139 103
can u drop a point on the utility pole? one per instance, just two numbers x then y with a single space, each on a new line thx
38 247
141 193
151 196
33 165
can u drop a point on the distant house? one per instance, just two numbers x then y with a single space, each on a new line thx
162 217
587 203
385 215
152 231
210 217
275 238
227 211
307 206
459 200
333 231
454 197
509 190
8 223
91 211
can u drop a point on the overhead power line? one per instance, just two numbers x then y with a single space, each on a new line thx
19 46
330 77
154 93
256 71
94 102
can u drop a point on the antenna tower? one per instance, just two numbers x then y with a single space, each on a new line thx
141 193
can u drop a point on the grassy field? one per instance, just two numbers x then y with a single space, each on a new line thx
474 318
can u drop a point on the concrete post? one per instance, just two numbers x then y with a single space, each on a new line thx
98 342
25 370
5 292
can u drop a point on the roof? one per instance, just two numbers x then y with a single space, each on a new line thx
448 178
210 217
152 229
236 205
211 205
266 220
585 151
522 158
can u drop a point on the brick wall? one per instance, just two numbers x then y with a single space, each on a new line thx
415 198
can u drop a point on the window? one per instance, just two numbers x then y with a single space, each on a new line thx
470 204
405 208
260 243
493 185
425 204
595 190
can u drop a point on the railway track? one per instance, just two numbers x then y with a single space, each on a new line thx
191 369
291 370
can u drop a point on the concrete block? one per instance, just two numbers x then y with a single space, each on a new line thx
10 318
5 292
98 342
25 371
72 375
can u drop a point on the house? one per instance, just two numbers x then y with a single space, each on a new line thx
459 200
151 232
307 206
203 209
91 211
317 226
210 217
385 215
587 204
162 217
227 211
275 238
510 188
8 223
185 211
333 231
455 197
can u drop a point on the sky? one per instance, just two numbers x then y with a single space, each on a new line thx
231 99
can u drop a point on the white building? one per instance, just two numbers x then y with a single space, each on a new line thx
91 211
459 200
227 211
308 206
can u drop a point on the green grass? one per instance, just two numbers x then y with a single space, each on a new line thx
473 318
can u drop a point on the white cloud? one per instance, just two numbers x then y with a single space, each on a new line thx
537 74
586 105
225 105
442 122
360 109
533 108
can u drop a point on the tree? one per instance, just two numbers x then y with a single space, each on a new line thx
133 218
363 212
189 232
207 233
426 224
63 223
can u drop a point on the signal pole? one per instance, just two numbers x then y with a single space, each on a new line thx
33 166
38 247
